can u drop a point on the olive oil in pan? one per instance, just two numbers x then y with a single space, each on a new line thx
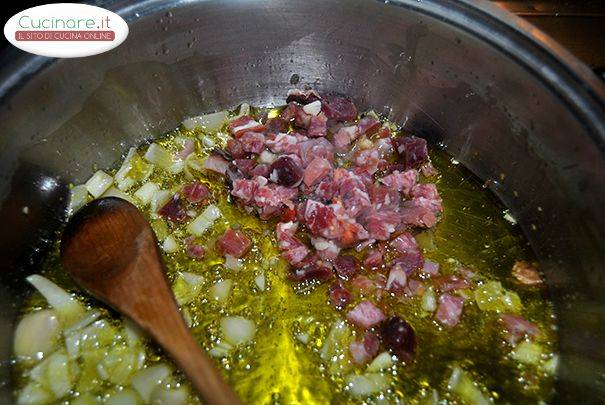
284 363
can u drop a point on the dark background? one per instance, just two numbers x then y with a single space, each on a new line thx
578 25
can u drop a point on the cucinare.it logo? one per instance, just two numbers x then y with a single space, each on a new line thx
66 30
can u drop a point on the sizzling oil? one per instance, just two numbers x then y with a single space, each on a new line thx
278 368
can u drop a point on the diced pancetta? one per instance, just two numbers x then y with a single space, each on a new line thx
235 243
252 142
243 124
316 170
449 310
365 315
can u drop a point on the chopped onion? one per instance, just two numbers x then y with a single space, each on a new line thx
233 263
491 296
36 334
550 366
237 330
367 384
114 192
126 165
78 197
208 122
528 353
67 307
133 333
85 399
33 394
126 184
146 192
58 374
169 396
220 290
208 142
260 281
429 300
159 199
146 380
267 157
461 384
187 287
159 156
313 108
303 338
382 361
177 166
170 244
206 219
123 397
98 183
244 109
120 363
220 350
88 318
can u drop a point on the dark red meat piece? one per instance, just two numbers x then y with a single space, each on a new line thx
518 327
346 266
235 149
369 125
195 192
276 125
399 338
286 172
253 142
234 243
338 108
339 295
317 126
302 96
173 210
412 150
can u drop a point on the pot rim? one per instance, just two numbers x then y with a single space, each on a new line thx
574 83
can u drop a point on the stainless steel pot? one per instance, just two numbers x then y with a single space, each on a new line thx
502 97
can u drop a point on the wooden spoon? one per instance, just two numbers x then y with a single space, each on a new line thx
109 249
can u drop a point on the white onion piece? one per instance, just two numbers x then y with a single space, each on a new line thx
78 197
177 166
36 333
187 287
205 220
89 318
208 122
220 350
313 108
147 379
169 396
208 142
267 157
98 183
260 281
133 333
123 397
68 308
159 199
72 345
58 374
170 244
221 290
367 384
159 156
114 192
244 109
85 399
382 361
33 394
303 338
126 184
461 384
237 330
122 172
233 263
528 353
429 300
146 192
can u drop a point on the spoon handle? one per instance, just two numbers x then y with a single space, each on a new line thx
156 311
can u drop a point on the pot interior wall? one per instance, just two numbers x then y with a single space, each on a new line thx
445 81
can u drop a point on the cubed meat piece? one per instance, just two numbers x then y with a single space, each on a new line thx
235 243
365 315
